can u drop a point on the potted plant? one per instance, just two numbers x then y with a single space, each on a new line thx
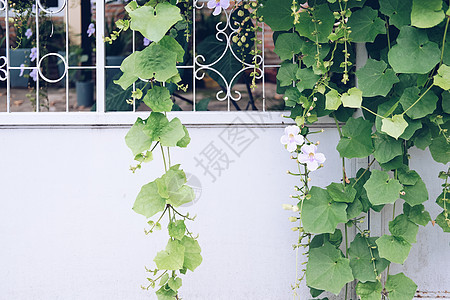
20 54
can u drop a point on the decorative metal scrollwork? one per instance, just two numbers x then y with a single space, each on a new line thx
3 72
223 36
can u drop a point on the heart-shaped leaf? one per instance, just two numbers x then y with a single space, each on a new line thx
394 126
153 23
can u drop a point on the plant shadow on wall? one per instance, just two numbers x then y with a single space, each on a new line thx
403 92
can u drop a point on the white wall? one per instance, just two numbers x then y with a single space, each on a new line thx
67 230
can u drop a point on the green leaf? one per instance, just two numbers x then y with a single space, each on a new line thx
184 195
356 140
415 194
333 100
369 290
440 200
177 229
154 125
172 45
375 79
402 227
287 73
292 97
386 148
413 53
365 25
442 222
175 283
192 257
394 126
396 163
413 126
165 293
172 258
440 150
158 99
446 102
365 262
321 28
327 269
400 287
307 79
381 189
442 79
407 177
155 61
394 249
309 52
354 209
399 11
164 279
422 139
278 14
153 23
424 107
184 142
287 45
417 214
353 98
334 239
172 133
340 193
321 214
136 139
426 14
148 201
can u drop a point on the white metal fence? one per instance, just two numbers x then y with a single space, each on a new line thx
227 95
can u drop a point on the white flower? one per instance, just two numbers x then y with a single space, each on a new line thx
292 138
34 74
33 54
218 5
309 157
22 66
146 42
91 29
28 33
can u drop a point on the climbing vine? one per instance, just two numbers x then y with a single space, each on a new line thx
402 93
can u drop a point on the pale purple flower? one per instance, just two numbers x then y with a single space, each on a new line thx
292 138
218 5
310 157
146 42
34 74
33 54
91 29
28 33
22 66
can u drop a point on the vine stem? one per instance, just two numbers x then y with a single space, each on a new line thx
164 157
417 101
373 113
443 40
344 177
368 167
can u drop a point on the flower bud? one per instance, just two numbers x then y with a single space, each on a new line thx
293 219
295 208
287 206
294 228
